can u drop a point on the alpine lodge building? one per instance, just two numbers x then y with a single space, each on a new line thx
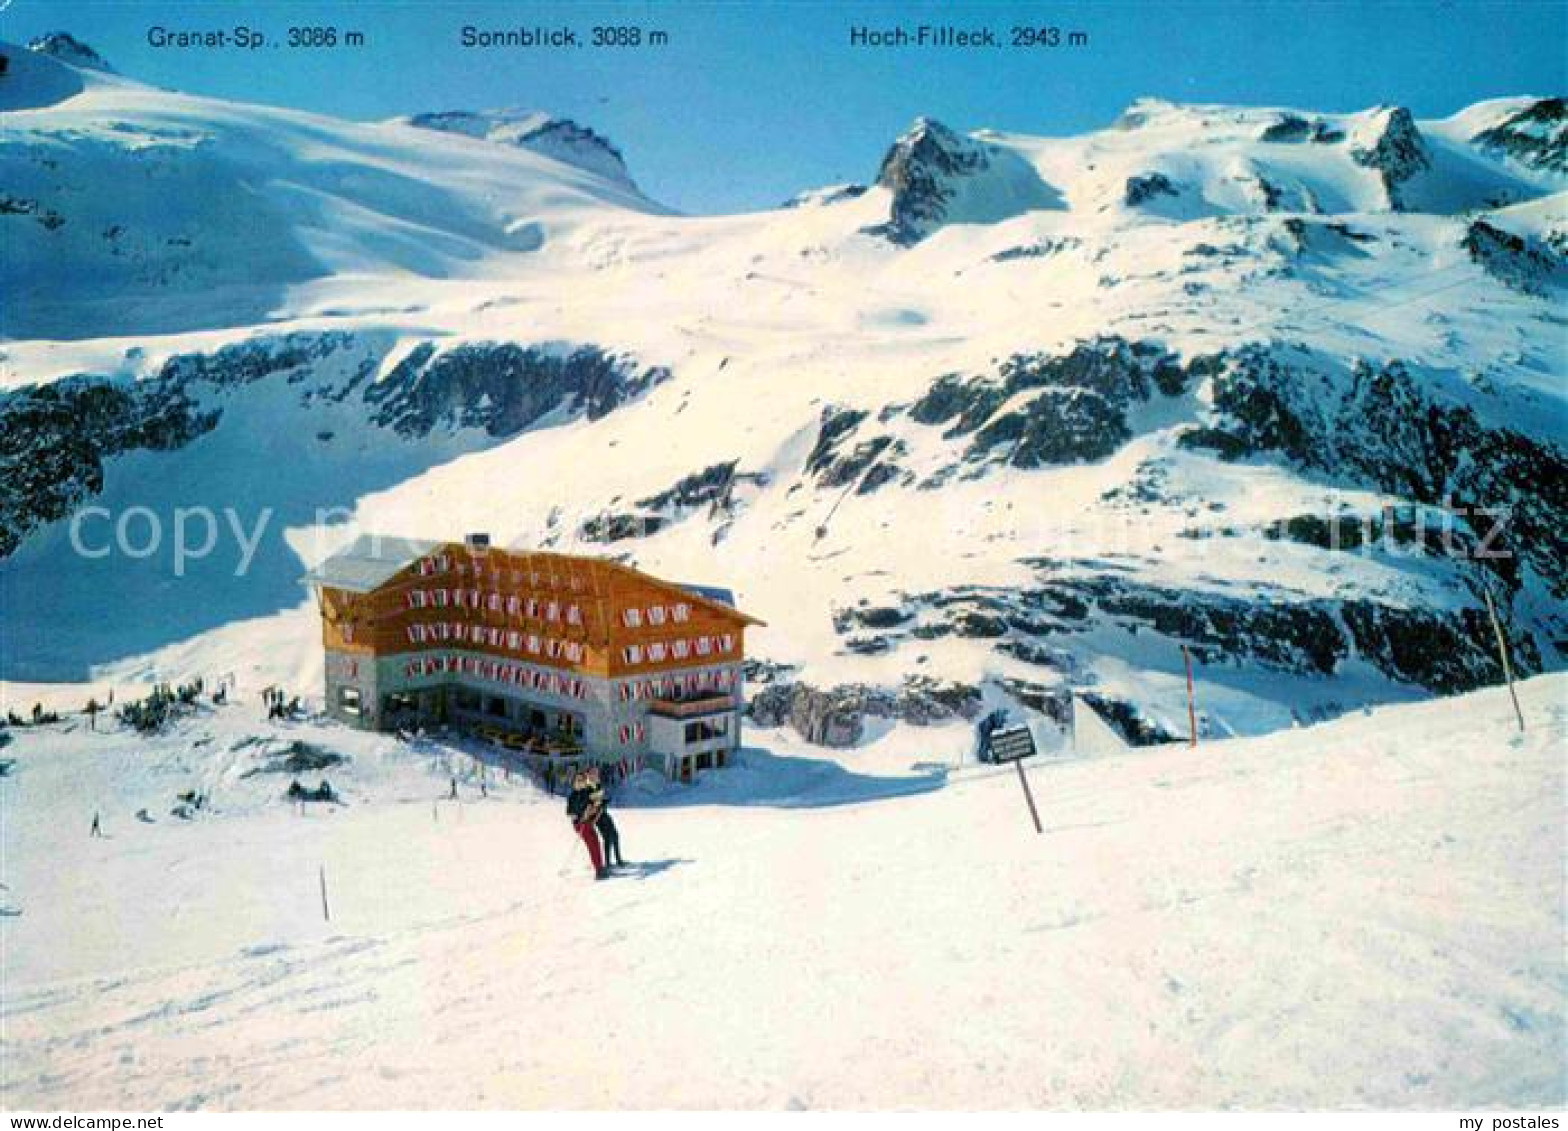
545 652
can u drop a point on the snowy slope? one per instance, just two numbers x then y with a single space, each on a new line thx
1361 914
1112 386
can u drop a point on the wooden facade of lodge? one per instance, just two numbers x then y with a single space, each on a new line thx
551 653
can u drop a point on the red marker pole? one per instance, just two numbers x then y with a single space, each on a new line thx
1192 709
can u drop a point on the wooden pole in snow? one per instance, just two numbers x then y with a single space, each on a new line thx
326 912
1023 780
1192 707
1502 651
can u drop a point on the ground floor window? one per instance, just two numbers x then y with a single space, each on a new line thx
400 701
466 700
348 700
495 706
705 729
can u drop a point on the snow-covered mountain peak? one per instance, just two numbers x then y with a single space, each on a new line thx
559 138
1386 140
67 48
937 176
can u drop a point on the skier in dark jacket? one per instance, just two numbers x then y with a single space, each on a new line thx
580 810
603 821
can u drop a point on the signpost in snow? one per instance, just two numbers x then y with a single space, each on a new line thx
1014 744
1192 706
1502 651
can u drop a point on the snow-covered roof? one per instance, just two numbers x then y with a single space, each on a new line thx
368 561
711 592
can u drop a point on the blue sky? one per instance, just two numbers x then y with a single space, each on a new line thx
750 102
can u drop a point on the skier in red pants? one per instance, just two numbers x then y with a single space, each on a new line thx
582 812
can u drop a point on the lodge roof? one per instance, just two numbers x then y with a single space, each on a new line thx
368 562
372 560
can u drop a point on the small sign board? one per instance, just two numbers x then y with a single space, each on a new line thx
1011 744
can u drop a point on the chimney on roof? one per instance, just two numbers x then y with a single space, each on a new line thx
476 541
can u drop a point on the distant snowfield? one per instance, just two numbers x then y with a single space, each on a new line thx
1366 913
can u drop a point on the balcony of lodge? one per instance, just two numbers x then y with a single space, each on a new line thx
704 703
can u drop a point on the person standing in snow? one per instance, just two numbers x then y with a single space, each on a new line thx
602 820
580 810
97 829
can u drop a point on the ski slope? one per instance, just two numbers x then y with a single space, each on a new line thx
1366 913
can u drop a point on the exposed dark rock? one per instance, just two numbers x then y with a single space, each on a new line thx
761 671
881 616
1511 259
927 168
977 623
501 387
1055 702
619 527
836 717
1384 428
1145 187
916 171
828 718
1391 144
67 48
867 645
1420 647
55 438
709 487
1293 128
1126 720
837 423
833 194
297 757
1079 413
559 138
863 464
1536 136
1037 250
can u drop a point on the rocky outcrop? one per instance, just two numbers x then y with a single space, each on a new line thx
1078 410
1513 260
1145 187
821 197
1536 136
712 487
711 490
1290 129
836 717
1438 649
1389 143
605 528
869 464
918 171
501 387
1135 728
1382 427
55 438
932 175
67 48
558 138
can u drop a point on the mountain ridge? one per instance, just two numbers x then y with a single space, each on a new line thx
1131 390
